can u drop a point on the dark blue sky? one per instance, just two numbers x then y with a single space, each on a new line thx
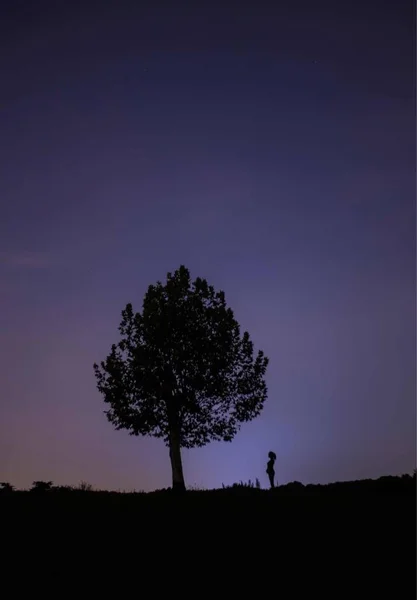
270 149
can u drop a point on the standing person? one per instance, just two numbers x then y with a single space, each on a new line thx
270 468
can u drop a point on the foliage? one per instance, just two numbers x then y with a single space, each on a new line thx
182 360
84 486
6 487
250 484
41 486
63 488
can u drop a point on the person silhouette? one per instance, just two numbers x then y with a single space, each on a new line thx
270 468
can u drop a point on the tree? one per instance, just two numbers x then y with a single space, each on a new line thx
181 370
6 487
41 486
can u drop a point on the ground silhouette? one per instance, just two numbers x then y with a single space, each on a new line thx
346 538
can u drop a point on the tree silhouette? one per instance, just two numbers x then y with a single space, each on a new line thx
182 371
41 486
6 487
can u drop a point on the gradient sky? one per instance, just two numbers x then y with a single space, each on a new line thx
270 149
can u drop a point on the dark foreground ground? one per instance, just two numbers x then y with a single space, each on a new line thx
346 539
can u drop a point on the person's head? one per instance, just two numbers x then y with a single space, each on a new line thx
272 455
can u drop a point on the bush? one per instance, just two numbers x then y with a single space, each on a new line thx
41 486
6 487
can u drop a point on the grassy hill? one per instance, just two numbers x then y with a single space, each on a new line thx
358 535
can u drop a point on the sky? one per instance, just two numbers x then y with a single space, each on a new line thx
270 148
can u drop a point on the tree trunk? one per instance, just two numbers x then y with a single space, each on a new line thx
178 484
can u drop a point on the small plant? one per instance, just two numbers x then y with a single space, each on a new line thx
242 484
195 488
85 487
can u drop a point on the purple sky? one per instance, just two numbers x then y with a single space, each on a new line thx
270 150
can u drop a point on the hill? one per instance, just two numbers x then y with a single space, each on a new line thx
361 531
